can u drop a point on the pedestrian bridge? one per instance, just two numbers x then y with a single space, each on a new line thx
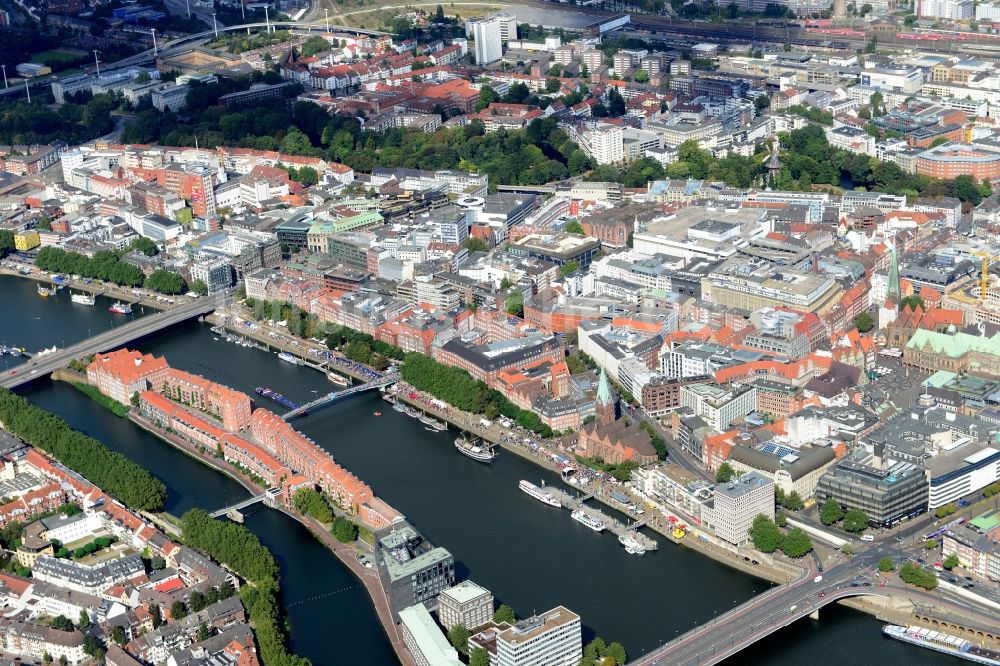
337 395
267 496
761 616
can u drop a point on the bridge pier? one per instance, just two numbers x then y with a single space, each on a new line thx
814 615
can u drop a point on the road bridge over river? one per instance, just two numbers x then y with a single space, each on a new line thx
111 339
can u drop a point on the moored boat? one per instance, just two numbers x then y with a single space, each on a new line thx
475 451
539 493
288 358
83 299
632 544
587 520
45 292
943 643
120 308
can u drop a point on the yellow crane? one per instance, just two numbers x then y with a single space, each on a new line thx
984 278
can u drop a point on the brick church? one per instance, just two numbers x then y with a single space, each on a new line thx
611 439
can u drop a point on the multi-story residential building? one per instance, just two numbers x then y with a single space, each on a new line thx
552 638
412 570
605 145
425 641
232 408
36 642
957 10
123 373
950 160
466 604
89 579
486 33
719 405
215 272
734 506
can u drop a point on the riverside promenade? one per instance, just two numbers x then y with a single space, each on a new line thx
346 553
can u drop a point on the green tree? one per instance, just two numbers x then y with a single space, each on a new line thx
166 282
199 287
855 521
504 614
568 268
145 245
640 76
62 623
479 657
946 510
514 304
950 561
796 543
203 632
155 615
314 45
573 227
831 512
473 244
886 564
344 530
765 534
178 611
615 650
458 635
724 473
311 502
793 501
118 635
931 544
92 647
864 322
196 601
84 620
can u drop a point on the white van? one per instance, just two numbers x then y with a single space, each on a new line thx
867 537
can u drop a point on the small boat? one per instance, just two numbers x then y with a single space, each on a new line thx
83 299
378 413
51 350
587 520
288 358
943 643
45 292
432 423
540 494
216 339
120 308
338 379
399 407
632 544
474 451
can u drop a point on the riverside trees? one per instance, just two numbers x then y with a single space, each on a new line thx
111 471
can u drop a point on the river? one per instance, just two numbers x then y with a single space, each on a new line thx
531 556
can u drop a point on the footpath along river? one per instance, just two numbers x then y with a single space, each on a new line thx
531 556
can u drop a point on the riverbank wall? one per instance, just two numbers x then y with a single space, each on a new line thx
343 552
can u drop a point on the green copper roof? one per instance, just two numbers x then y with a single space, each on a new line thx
894 289
604 390
954 345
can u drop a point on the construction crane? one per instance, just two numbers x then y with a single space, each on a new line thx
984 278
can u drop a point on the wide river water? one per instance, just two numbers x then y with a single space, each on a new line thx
530 556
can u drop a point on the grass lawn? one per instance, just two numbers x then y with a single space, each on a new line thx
55 54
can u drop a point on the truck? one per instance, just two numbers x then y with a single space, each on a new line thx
486 423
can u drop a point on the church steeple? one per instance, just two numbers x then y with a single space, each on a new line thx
893 289
604 409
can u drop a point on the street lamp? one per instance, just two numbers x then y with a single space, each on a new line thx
267 20
5 84
98 63
215 26
27 89
327 13
188 2
155 52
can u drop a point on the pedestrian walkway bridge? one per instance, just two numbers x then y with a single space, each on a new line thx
337 395
267 496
